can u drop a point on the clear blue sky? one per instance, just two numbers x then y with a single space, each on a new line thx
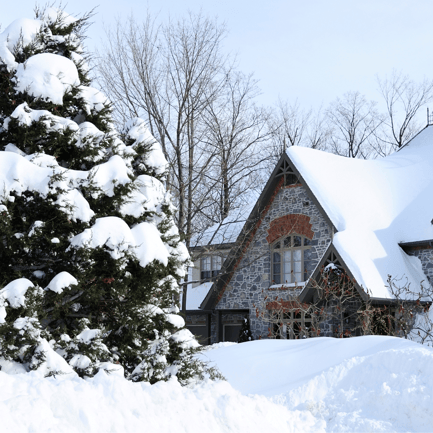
310 50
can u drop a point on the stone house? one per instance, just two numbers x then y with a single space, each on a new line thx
371 218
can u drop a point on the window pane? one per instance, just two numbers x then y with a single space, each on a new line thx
216 263
205 275
287 272
287 268
205 263
307 241
297 266
297 241
277 245
287 242
276 268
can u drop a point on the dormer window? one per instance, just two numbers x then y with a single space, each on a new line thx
288 259
210 267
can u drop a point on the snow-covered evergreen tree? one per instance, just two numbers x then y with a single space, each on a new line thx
89 252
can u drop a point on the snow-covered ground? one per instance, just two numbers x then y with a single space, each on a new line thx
364 384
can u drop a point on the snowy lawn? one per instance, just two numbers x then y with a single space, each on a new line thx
364 384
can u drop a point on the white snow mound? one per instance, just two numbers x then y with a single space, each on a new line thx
61 281
353 385
48 76
21 28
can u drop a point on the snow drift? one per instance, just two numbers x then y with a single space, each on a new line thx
318 385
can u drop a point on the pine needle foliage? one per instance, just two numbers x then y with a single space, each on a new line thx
90 255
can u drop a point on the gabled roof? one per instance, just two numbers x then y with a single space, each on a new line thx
331 256
372 206
283 168
375 205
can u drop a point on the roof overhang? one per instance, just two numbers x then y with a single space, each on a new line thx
428 243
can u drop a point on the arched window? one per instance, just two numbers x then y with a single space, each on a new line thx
288 259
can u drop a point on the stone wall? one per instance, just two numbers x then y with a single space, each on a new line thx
251 280
426 257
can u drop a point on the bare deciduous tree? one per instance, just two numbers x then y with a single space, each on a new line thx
403 98
199 109
169 75
336 310
291 125
319 132
354 121
236 130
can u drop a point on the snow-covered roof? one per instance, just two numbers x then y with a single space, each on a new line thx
227 231
375 205
195 295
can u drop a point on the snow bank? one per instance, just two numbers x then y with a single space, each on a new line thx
375 205
318 385
355 385
110 403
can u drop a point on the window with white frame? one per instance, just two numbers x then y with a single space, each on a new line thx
210 267
289 264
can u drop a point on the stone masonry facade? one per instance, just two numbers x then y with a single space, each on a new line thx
426 257
292 210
